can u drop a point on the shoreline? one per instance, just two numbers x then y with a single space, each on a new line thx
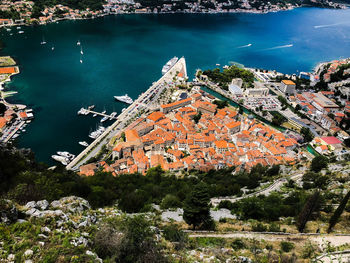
236 11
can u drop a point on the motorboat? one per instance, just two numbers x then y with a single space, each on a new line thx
125 99
84 143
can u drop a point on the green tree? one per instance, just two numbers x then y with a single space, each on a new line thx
2 109
307 134
170 201
347 142
196 207
221 103
297 107
197 117
337 213
307 211
318 163
315 180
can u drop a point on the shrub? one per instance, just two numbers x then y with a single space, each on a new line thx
273 227
286 246
226 204
170 201
238 244
259 227
174 234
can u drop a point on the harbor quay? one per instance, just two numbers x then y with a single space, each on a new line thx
142 102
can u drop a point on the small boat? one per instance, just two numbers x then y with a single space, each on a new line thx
81 61
104 112
15 136
18 27
94 115
81 50
91 107
20 32
43 42
53 48
78 43
104 119
84 143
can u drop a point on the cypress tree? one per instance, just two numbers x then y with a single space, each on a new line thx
196 207
308 208
337 213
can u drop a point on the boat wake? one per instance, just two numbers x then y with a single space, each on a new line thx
330 25
279 47
245 46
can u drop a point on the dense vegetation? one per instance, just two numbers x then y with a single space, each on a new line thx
225 76
39 5
22 179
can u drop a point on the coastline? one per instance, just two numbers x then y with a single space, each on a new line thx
206 12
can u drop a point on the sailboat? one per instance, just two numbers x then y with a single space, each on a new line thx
43 42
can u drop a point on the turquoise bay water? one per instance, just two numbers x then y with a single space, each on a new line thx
125 54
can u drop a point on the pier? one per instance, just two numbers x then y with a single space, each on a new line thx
98 113
121 120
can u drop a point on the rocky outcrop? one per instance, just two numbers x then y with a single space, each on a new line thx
8 212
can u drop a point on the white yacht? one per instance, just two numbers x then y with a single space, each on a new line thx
169 65
66 154
124 98
60 159
84 143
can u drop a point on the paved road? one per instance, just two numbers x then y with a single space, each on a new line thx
274 187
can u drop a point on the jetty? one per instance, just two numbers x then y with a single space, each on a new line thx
88 111
121 120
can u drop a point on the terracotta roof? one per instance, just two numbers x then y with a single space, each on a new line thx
155 116
131 135
2 122
7 70
176 103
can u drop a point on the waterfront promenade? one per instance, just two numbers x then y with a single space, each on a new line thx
95 147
